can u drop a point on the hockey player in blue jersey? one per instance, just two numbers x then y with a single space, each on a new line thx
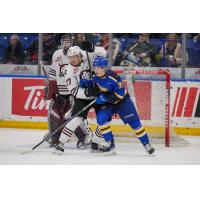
114 98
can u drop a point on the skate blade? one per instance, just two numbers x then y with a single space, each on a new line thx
111 153
151 152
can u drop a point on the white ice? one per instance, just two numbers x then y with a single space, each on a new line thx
14 141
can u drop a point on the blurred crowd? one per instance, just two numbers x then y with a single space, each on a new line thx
128 49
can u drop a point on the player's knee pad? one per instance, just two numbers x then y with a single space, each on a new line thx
84 134
136 124
69 129
85 127
86 130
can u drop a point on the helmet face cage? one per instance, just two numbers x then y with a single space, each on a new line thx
66 41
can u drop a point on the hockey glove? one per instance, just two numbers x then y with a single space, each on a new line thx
86 74
92 91
101 99
50 90
86 83
87 46
85 79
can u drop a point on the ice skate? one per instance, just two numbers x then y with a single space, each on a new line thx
84 142
95 148
108 148
59 149
149 148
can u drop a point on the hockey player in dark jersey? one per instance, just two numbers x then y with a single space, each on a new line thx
113 99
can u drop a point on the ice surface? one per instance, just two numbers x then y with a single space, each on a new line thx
14 141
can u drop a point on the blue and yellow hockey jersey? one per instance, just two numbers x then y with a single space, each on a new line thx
112 87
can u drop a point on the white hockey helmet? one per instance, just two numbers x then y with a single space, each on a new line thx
73 51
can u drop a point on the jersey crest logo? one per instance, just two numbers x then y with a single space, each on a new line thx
62 70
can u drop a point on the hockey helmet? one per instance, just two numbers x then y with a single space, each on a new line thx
100 62
73 51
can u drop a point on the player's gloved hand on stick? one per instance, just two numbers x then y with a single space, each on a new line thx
101 99
84 83
86 74
87 46
50 89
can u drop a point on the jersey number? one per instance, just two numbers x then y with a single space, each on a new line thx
68 81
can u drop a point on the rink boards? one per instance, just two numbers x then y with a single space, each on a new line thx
22 106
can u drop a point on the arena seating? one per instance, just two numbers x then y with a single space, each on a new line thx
193 48
26 39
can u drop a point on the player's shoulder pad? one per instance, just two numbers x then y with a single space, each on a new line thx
57 55
114 76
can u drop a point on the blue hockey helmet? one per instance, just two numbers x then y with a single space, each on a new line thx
100 62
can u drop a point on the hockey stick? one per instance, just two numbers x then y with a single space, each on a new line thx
45 73
50 134
90 67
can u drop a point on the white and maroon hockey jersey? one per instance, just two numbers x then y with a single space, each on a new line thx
60 63
57 71
72 77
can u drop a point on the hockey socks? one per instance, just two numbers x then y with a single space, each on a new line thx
144 139
106 132
142 135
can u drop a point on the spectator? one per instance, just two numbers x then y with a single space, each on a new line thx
122 35
196 40
78 39
197 37
57 39
141 52
14 52
104 41
92 37
49 46
172 51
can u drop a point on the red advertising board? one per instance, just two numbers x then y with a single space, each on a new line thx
27 97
